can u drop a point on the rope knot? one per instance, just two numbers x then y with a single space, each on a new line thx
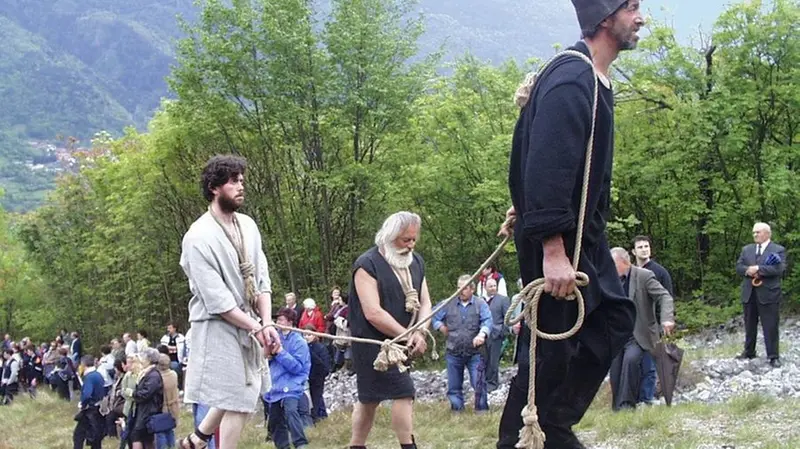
247 269
391 354
531 435
412 301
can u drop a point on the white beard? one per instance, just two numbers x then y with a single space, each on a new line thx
397 258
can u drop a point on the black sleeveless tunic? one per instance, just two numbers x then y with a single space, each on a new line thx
374 386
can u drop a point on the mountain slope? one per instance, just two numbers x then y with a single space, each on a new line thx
43 91
75 67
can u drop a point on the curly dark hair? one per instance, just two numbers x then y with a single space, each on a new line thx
218 171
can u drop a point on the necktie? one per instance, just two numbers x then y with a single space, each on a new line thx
758 250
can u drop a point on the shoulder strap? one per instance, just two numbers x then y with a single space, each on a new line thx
525 90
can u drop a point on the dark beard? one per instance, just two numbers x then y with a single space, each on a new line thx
627 45
227 205
626 38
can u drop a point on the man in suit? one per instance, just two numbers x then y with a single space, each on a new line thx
498 305
646 293
763 299
76 348
291 302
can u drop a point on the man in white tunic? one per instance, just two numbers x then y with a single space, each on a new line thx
229 279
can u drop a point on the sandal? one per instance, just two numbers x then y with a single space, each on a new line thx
193 441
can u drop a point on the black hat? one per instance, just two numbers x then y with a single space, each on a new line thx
592 12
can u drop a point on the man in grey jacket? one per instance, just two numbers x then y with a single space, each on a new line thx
646 293
498 305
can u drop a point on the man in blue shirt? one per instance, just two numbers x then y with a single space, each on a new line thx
90 423
289 369
466 322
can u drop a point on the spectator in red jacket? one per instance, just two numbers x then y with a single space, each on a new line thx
312 315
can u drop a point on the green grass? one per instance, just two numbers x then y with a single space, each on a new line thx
746 422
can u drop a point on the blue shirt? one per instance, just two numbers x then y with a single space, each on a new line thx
93 389
484 313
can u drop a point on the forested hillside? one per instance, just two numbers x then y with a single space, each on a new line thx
73 68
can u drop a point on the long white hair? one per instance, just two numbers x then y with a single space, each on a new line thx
394 225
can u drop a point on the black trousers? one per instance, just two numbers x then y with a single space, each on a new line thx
317 387
62 386
769 315
568 375
89 428
111 423
626 376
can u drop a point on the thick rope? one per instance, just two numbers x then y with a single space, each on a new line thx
392 352
412 306
248 270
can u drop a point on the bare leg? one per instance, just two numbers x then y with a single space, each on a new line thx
211 421
230 429
208 426
363 418
403 420
137 445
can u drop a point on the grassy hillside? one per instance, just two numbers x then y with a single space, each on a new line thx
745 422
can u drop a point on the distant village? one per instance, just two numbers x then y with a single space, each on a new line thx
68 156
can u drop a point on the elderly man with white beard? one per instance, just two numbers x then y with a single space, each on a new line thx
381 278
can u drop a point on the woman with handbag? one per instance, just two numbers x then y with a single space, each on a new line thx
148 401
115 400
341 356
172 403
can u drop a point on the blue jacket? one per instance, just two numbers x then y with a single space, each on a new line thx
93 389
289 369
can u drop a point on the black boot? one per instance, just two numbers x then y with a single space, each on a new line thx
413 444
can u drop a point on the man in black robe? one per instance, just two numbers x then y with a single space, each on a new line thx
382 278
545 180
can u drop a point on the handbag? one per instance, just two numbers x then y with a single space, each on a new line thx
341 331
160 422
342 344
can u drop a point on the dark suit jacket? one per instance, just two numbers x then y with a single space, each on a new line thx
76 350
770 291
499 306
647 294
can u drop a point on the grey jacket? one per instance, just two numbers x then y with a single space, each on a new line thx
498 305
647 294
770 290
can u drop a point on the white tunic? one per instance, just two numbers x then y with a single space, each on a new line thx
216 374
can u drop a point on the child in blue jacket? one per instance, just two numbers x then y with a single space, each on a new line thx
289 369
